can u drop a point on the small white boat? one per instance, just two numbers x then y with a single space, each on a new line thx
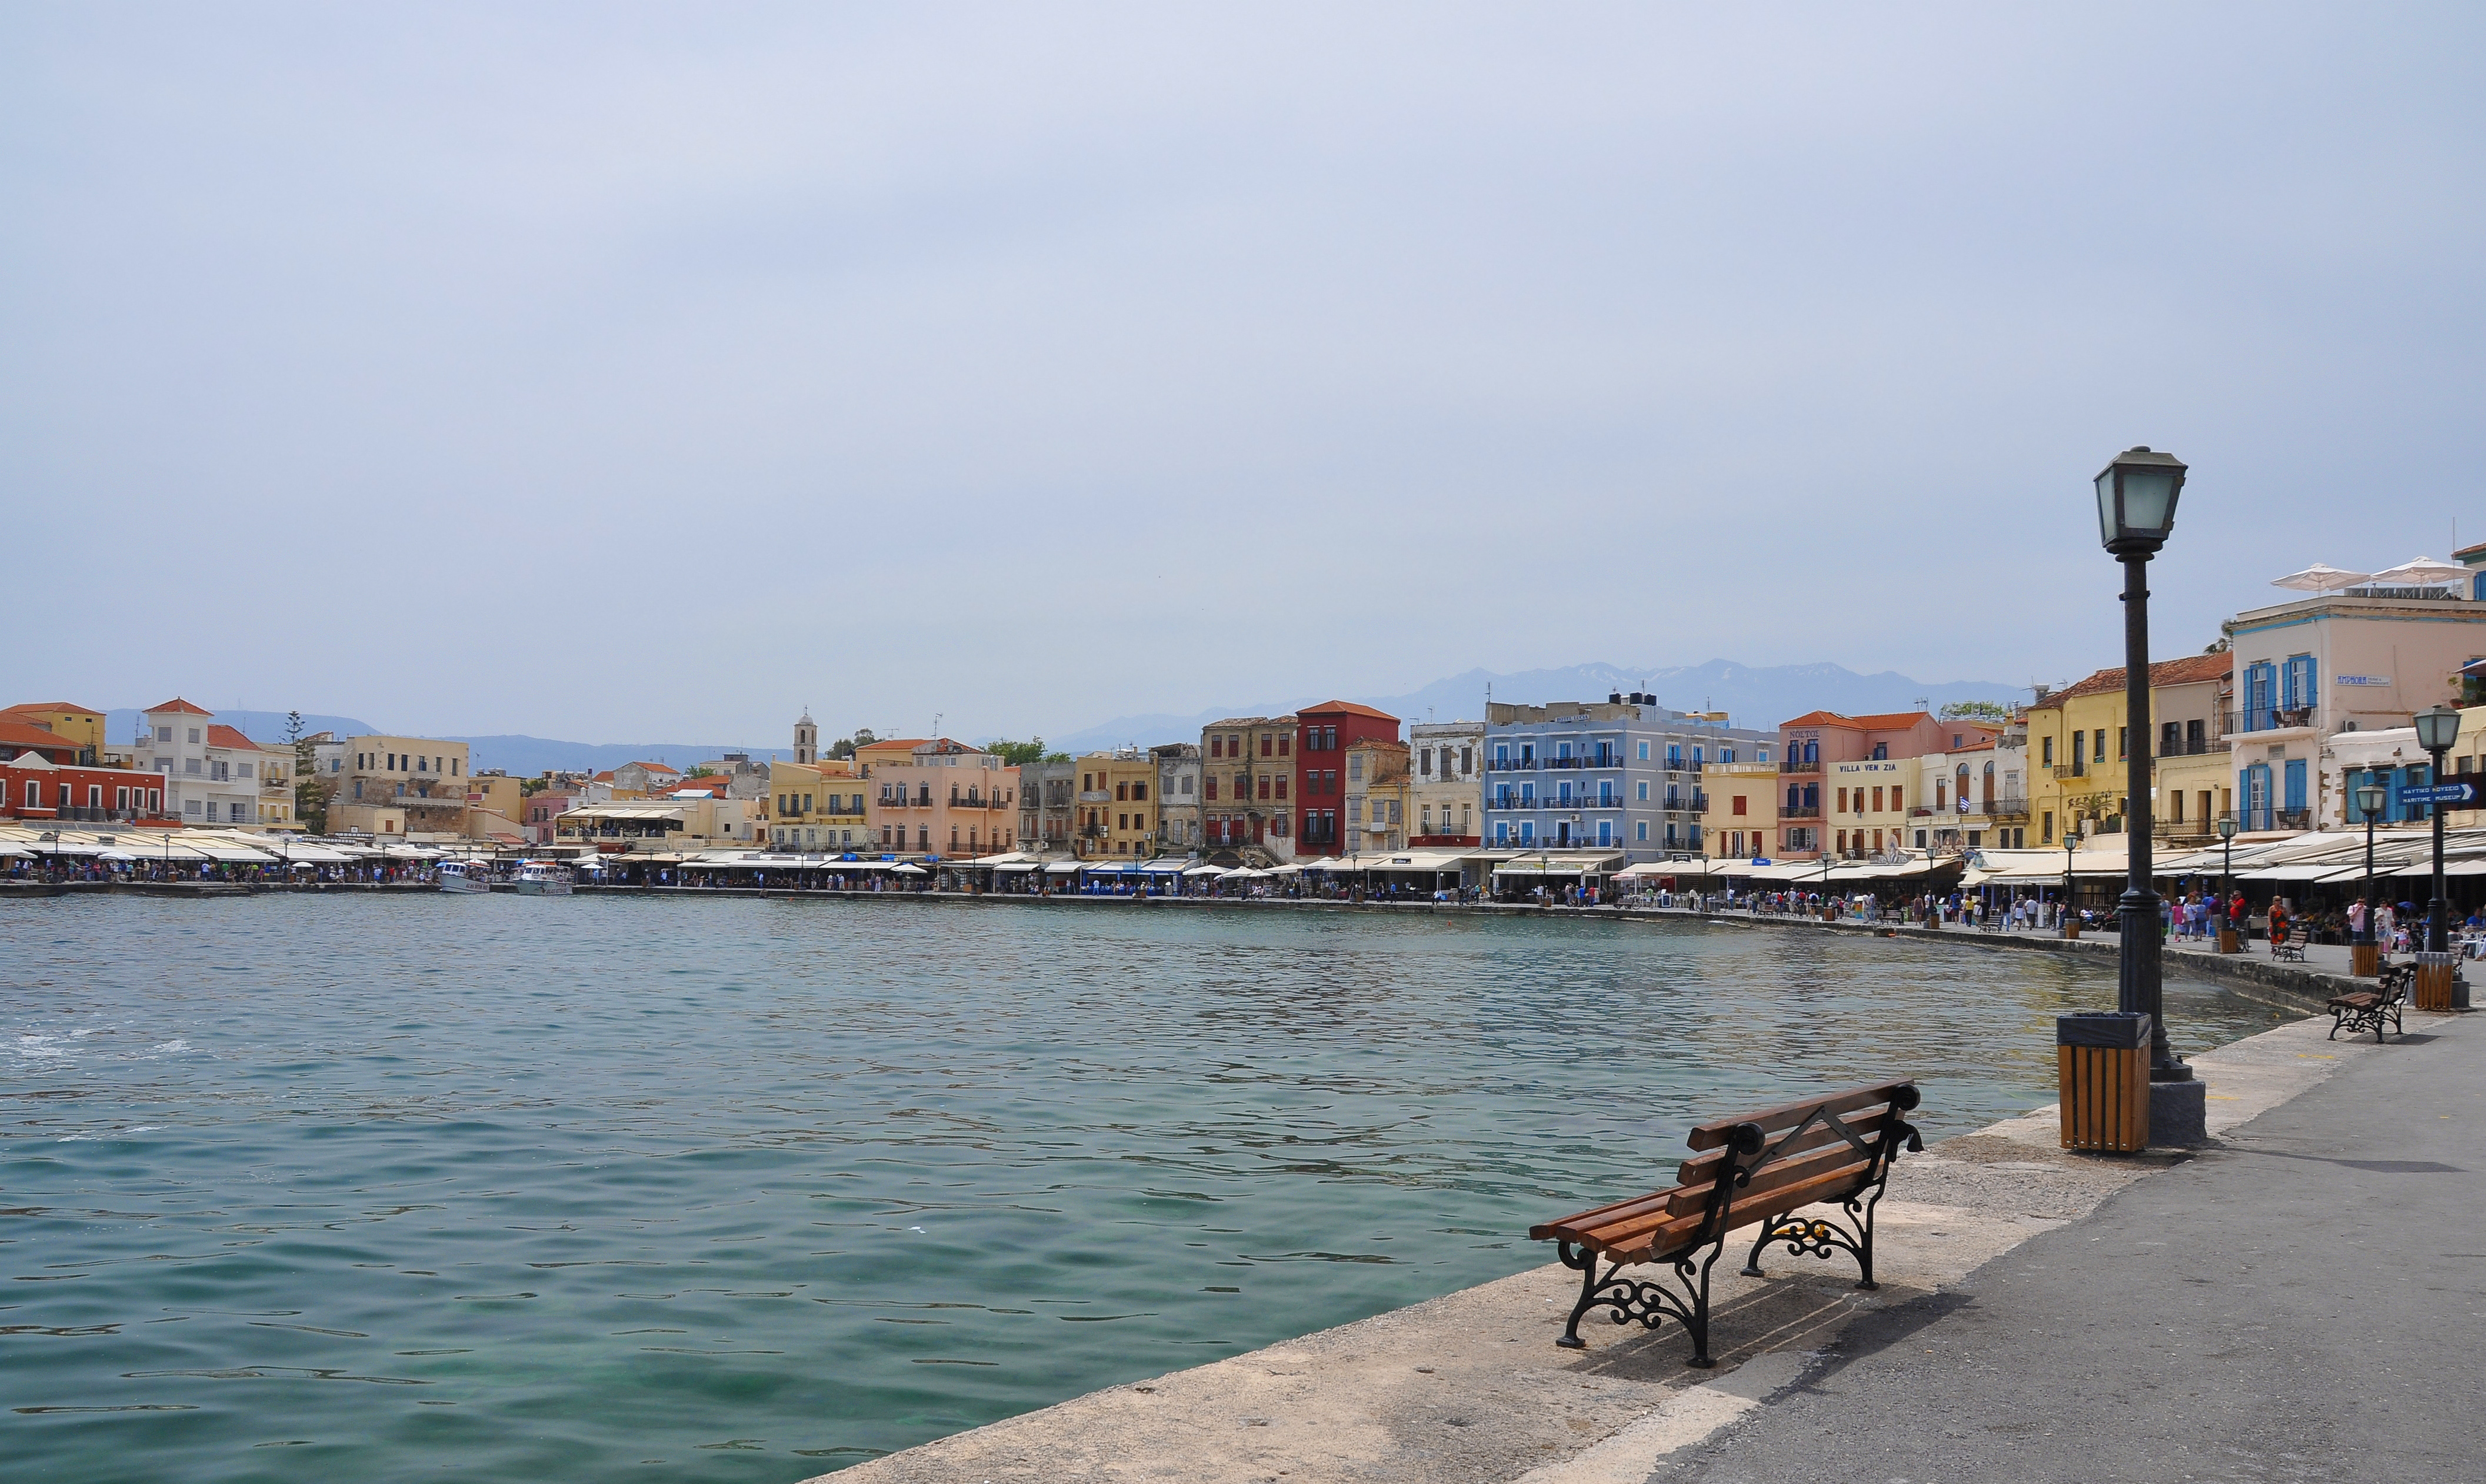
544 878
463 876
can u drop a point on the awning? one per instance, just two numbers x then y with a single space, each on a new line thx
1065 867
1205 871
1014 868
629 811
1163 868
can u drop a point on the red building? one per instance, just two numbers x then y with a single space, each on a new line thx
1327 730
42 779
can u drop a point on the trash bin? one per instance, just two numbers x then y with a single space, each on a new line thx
2434 972
2364 959
2104 1058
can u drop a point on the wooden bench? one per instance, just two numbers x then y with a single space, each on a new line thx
1753 1168
2361 1010
2292 946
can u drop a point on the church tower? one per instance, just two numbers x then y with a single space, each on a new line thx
806 739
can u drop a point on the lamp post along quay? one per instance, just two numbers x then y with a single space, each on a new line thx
2365 960
2438 728
2136 495
2226 869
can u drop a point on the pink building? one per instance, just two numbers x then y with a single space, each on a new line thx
1813 741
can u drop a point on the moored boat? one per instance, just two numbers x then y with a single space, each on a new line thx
542 878
463 876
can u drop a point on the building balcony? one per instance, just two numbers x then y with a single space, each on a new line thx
1793 766
1799 812
2195 746
2266 719
972 801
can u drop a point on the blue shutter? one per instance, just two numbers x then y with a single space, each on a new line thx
2299 681
2294 795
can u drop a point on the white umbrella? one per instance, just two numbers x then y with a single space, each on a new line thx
910 871
115 855
2422 572
2321 577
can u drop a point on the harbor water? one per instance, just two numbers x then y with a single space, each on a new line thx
382 1188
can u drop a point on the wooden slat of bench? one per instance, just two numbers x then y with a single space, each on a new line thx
1712 1135
1657 1231
1570 1228
1776 1175
1865 1124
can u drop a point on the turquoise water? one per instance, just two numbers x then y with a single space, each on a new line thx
387 1188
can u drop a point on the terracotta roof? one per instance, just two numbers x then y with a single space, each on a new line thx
221 735
1984 745
176 704
2192 670
1346 707
1885 721
657 767
19 734
54 705
604 777
1237 721
2467 551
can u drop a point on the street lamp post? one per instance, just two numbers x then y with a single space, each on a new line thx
2136 495
2064 918
2437 728
2371 799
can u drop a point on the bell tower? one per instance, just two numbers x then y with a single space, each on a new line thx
806 739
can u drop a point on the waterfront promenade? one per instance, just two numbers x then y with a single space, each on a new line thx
2298 1301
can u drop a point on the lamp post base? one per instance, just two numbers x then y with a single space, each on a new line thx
2178 1111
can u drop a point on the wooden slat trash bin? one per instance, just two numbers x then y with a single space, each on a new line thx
2364 960
2104 1058
2434 974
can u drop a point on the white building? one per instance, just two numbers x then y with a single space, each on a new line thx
211 772
1446 800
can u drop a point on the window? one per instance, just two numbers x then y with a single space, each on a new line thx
1640 831
1643 752
2045 751
1842 801
1266 742
2122 743
1877 801
1424 763
194 736
1208 785
2046 827
1282 785
1739 803
1284 742
1216 747
1186 783
1265 787
2097 750
1467 761
1643 790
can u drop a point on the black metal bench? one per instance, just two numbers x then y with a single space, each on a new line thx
1755 1167
2291 947
2361 1010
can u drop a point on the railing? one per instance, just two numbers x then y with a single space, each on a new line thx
1791 765
972 801
2266 719
2007 809
2194 747
2294 818
1799 812
72 813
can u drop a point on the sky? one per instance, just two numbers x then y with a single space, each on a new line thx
611 372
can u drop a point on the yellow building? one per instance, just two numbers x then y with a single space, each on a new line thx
80 726
817 808
1114 814
2079 741
1864 806
420 780
276 797
1739 820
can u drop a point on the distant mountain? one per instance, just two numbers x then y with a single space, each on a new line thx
525 756
1762 697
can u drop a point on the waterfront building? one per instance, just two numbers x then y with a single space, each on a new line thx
1048 802
1247 788
2079 742
81 726
278 805
693 822
1741 818
544 806
2307 671
400 785
1817 741
817 807
210 772
944 799
1628 773
1866 804
737 773
1447 786
1325 732
1116 810
1377 793
42 779
1177 797
644 779
1970 797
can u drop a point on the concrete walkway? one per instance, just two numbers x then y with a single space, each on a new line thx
1470 1387
2304 1303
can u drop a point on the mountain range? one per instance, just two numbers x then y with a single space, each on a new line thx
1753 696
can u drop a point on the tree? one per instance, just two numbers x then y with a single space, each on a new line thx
701 771
1976 710
844 747
1019 755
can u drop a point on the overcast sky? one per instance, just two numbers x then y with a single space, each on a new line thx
615 373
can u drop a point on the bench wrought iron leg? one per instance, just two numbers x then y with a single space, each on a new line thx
1822 1237
1651 1301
